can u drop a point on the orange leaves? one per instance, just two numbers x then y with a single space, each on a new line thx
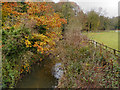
40 49
41 12
50 21
43 15
26 68
64 21
1 46
43 18
11 14
45 42
37 8
36 44
9 7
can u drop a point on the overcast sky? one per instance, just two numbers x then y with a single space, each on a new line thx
109 7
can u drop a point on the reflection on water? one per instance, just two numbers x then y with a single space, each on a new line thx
57 71
45 75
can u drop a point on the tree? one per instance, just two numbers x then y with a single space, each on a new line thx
104 23
93 20
38 40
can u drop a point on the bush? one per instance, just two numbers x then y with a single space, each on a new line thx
13 41
13 50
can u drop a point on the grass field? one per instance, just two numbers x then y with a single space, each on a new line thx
107 38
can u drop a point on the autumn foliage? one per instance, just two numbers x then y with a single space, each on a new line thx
44 16
21 37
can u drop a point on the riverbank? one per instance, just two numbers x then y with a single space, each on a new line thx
84 65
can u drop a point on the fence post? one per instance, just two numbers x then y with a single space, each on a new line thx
106 52
114 51
94 42
101 47
106 48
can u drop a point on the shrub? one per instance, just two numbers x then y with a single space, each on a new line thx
12 52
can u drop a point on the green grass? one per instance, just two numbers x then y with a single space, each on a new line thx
107 38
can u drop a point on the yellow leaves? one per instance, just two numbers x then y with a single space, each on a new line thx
21 71
39 46
46 49
51 43
39 36
87 64
42 43
8 27
47 28
44 46
40 49
25 67
40 59
35 45
52 23
26 36
28 43
37 8
47 40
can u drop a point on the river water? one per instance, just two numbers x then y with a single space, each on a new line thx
43 75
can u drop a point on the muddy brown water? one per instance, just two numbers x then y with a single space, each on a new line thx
43 75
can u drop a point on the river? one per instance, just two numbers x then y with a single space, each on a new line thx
43 75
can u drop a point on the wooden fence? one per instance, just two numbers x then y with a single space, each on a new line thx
109 49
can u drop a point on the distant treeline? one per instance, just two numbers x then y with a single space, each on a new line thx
88 21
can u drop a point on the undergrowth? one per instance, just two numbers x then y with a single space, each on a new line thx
84 65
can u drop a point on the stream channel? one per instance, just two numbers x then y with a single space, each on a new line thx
44 75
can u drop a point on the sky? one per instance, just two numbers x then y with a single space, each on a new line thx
109 7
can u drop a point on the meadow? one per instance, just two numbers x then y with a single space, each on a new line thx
107 38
